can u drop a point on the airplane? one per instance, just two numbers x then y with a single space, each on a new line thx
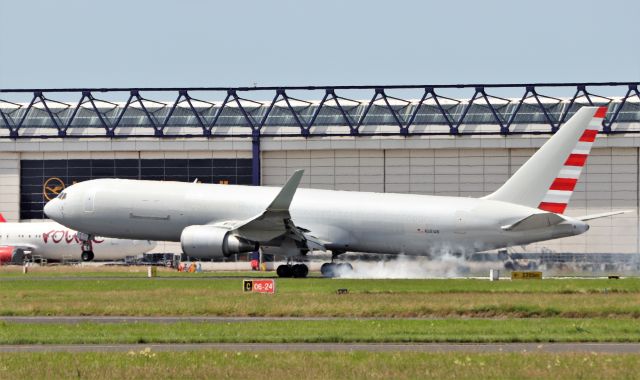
212 220
54 242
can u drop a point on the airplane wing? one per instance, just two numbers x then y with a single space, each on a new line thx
275 222
535 221
602 215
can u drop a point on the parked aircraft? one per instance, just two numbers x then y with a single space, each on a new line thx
54 242
221 220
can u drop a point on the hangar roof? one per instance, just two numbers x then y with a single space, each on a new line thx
213 110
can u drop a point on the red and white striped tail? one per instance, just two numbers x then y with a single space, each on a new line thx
559 193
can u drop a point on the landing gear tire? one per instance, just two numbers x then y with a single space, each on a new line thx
87 256
328 270
284 271
300 270
345 267
297 271
334 269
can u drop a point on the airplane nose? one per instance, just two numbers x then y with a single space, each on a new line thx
53 210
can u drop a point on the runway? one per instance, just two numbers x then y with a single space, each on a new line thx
604 348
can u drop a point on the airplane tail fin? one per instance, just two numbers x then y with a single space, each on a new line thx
2 219
547 179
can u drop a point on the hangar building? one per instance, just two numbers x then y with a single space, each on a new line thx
460 140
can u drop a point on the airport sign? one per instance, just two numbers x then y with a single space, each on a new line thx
259 286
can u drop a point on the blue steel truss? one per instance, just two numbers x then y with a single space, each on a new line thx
38 113
238 107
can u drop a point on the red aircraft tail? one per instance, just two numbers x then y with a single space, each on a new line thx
2 219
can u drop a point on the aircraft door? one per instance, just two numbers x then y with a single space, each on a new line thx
89 201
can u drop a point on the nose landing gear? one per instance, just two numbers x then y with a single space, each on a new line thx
87 247
87 255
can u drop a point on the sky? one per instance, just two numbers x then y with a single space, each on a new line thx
158 43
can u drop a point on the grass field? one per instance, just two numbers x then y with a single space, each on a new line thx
301 365
465 310
328 331
583 298
118 271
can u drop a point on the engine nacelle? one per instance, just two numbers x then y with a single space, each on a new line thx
6 254
12 255
210 242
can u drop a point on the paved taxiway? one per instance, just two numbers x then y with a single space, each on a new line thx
609 348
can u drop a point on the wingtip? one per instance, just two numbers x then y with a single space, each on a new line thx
297 176
601 112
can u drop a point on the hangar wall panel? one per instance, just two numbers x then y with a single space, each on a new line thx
72 166
609 182
10 186
440 165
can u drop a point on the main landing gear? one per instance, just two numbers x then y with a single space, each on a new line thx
295 270
335 269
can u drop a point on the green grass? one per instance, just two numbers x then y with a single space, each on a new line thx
471 311
116 271
369 331
132 280
314 365
317 297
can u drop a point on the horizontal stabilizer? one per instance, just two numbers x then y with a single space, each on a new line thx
602 215
535 221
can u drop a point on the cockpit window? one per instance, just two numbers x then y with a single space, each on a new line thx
62 196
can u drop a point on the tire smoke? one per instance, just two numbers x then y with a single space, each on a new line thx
406 267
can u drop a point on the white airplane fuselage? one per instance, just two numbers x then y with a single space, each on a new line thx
53 241
219 220
348 221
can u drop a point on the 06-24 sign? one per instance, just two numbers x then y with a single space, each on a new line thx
259 286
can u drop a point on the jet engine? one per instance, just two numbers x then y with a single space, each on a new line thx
209 242
13 255
6 254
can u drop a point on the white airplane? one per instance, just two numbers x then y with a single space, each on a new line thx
54 242
220 220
